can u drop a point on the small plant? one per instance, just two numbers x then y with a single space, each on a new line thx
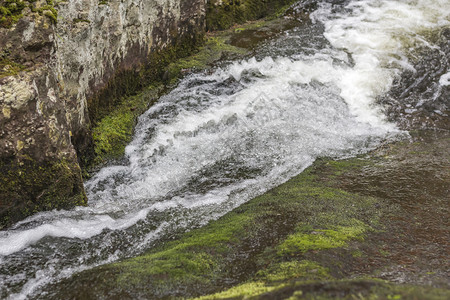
11 11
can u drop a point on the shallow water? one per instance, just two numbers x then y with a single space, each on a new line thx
225 136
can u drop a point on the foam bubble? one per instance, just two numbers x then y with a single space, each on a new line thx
445 79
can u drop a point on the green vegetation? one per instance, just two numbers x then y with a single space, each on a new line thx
11 11
8 67
113 132
213 49
223 14
306 239
364 289
25 187
193 260
244 291
296 269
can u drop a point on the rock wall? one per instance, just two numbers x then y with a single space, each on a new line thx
60 65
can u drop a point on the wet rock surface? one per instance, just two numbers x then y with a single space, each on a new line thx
414 176
418 99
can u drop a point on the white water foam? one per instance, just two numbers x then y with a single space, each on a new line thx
380 34
444 80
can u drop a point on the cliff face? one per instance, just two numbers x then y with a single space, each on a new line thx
61 64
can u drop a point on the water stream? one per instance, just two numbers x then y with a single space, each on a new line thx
224 136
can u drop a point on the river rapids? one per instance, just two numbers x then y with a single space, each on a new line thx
227 135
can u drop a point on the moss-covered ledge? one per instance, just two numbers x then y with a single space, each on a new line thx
222 14
349 289
11 11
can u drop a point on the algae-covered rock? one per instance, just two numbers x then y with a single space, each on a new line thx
28 186
222 14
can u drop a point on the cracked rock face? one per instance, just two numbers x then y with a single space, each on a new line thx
48 73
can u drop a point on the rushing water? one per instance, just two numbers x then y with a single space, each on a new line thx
225 136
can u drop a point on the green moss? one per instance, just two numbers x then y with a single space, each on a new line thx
323 207
11 11
167 268
251 289
265 239
51 14
114 131
213 50
9 68
224 14
195 257
294 242
114 110
49 11
284 271
357 253
364 289
28 186
306 239
370 289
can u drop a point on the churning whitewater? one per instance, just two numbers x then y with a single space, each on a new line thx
225 136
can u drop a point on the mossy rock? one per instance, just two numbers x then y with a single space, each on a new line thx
302 240
11 11
222 14
28 186
327 290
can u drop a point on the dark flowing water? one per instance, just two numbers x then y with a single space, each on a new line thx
223 137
